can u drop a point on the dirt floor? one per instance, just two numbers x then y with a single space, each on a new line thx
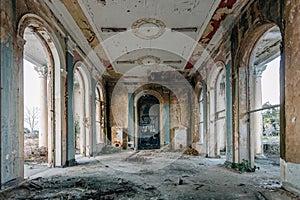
150 175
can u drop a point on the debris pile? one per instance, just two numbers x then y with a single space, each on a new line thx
37 155
191 151
108 149
138 159
72 188
272 149
32 152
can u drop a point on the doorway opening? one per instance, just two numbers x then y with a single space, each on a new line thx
82 111
100 116
148 109
36 81
216 140
264 95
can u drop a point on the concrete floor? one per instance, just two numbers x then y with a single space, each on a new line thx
152 175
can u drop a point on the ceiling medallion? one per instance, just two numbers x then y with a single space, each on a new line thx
148 28
148 60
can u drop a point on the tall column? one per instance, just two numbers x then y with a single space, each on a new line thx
204 92
229 139
70 137
43 119
257 116
167 117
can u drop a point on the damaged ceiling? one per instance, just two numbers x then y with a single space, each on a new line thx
125 34
268 47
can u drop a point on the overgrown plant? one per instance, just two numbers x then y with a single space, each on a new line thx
244 166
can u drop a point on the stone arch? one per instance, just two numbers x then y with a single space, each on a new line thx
56 54
244 86
100 108
100 89
46 31
200 117
85 124
159 97
216 131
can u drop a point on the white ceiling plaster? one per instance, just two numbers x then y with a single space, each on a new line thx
34 51
172 13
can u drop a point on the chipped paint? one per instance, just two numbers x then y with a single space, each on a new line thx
90 35
224 9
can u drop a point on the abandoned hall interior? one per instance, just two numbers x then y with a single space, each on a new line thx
128 84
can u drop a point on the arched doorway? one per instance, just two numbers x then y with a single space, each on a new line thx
201 117
82 111
50 66
36 80
264 105
79 114
148 110
260 48
100 115
217 110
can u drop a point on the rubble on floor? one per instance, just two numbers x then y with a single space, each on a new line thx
108 149
33 153
191 151
73 188
166 175
272 149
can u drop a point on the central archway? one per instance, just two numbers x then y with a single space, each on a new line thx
148 110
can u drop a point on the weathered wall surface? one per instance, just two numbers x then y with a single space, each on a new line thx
292 92
11 71
290 163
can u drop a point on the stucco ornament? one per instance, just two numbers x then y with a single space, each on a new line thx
148 28
148 60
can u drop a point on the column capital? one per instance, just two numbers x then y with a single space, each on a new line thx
42 71
258 70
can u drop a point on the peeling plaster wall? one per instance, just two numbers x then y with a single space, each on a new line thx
179 109
10 128
11 71
292 94
290 155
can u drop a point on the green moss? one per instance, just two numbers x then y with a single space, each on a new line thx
244 166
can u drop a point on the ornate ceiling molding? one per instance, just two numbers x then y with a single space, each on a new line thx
148 60
148 28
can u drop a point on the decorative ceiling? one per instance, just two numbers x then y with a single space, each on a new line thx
268 47
126 34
